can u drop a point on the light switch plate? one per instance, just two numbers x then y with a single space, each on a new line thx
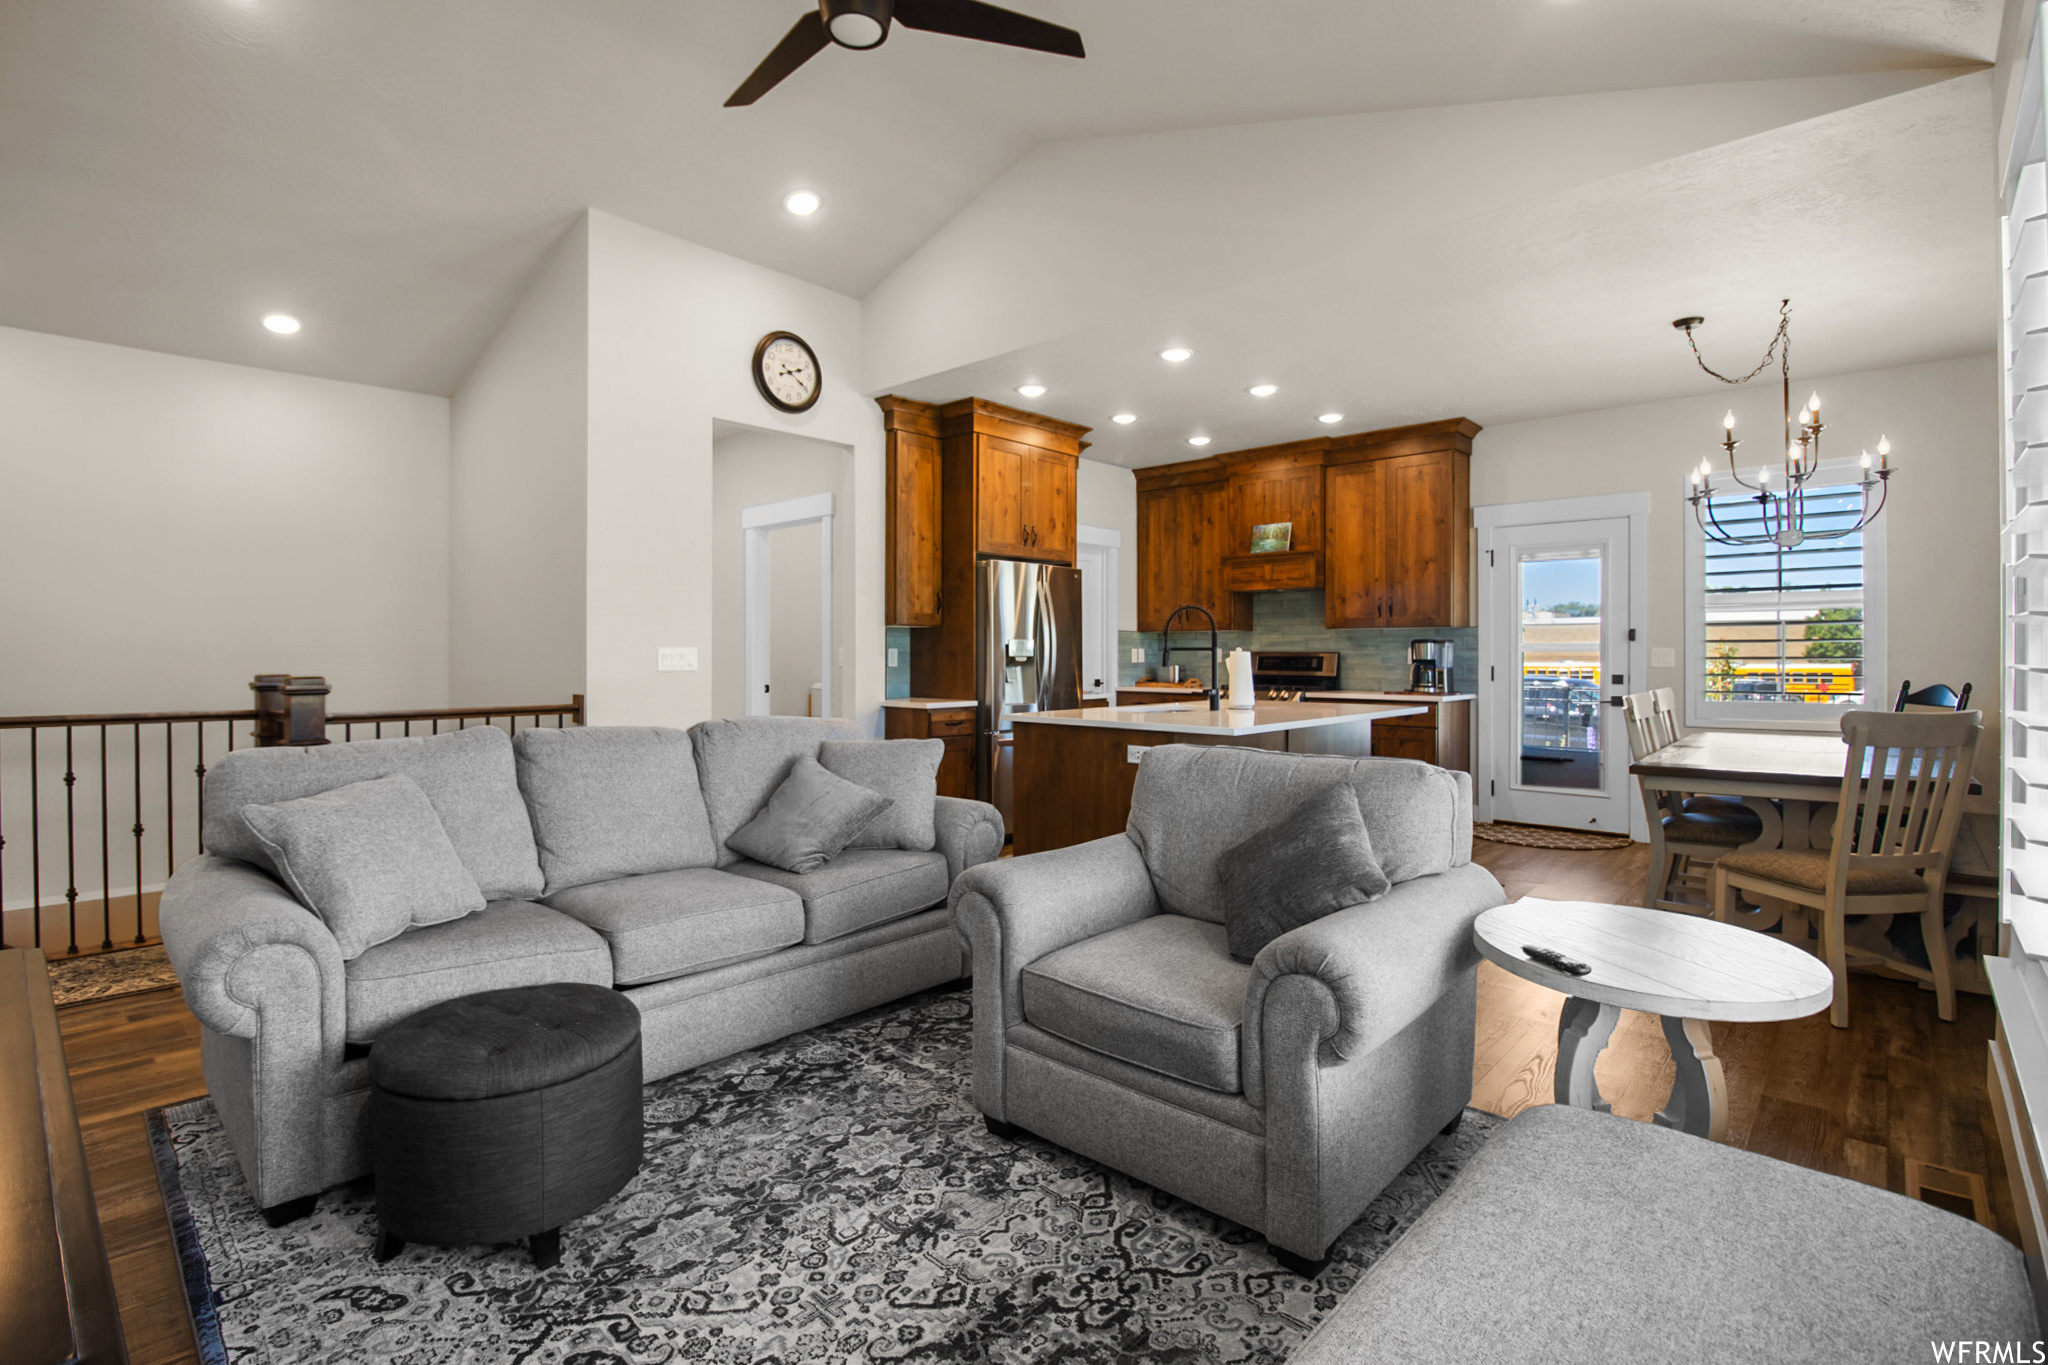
1138 656
675 659
1134 752
1666 657
892 658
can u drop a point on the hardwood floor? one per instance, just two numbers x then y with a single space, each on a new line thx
1897 1084
127 1056
1859 1102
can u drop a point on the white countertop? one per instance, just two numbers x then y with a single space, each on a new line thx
1195 718
1427 698
927 703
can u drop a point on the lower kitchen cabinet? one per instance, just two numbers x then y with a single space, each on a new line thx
1443 735
954 725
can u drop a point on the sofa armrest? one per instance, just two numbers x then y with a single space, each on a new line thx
245 949
970 833
1015 911
1370 970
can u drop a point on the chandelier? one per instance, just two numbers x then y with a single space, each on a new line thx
1782 508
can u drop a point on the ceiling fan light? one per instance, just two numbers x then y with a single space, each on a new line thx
857 23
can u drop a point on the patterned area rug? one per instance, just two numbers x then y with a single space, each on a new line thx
102 976
1538 836
830 1197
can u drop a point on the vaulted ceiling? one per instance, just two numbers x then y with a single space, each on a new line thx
1391 209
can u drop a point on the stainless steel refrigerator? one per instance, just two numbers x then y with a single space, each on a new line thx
1027 629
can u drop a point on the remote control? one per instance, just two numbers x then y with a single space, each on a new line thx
1550 957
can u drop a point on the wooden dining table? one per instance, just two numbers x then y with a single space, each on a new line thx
1792 781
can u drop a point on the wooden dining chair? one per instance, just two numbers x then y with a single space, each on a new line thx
1664 702
1683 843
1933 697
1895 827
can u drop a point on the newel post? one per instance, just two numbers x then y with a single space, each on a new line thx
289 710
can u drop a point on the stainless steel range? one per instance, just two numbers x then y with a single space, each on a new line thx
1286 676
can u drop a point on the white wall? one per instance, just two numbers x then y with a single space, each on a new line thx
1107 495
1942 575
171 527
672 333
519 427
752 468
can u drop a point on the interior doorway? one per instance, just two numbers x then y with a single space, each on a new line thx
784 677
1561 598
1096 553
781 623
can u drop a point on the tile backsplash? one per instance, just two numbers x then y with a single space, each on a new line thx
1371 660
897 683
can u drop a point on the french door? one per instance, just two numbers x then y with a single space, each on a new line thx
1557 648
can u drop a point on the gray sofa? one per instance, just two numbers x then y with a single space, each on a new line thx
1575 1236
602 855
1110 1018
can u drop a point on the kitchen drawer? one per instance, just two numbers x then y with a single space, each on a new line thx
945 723
1404 741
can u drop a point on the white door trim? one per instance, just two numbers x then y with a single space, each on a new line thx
1635 507
1111 544
755 524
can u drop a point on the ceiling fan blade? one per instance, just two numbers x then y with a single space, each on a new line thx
803 42
989 24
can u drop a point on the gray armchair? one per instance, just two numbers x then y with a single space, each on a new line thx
1285 1094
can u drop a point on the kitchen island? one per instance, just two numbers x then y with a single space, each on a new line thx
1075 770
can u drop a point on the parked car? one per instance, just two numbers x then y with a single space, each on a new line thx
1544 698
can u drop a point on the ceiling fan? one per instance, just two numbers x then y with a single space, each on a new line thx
861 24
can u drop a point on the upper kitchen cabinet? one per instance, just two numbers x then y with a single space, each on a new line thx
1013 476
972 480
1398 537
912 591
1185 529
1271 485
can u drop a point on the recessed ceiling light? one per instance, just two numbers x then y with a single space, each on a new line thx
284 324
803 203
1031 390
1263 390
1331 417
1175 354
1198 440
1124 419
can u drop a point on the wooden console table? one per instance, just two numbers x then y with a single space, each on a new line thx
59 1303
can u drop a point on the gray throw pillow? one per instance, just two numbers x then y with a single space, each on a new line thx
904 770
1315 861
370 859
810 818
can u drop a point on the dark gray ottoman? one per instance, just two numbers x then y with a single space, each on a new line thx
504 1115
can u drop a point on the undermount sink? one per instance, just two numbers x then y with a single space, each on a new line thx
1161 706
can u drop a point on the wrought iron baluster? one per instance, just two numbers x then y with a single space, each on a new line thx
170 804
139 936
35 834
199 821
70 841
106 855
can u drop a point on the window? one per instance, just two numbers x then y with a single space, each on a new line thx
1786 637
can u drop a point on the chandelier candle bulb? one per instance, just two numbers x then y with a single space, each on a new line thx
1728 422
1865 461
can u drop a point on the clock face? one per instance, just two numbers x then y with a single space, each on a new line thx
786 371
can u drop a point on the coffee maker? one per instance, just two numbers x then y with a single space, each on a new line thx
1429 666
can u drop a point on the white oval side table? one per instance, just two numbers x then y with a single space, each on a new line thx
1686 969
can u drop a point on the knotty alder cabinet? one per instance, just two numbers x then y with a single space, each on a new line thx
913 512
1382 523
972 480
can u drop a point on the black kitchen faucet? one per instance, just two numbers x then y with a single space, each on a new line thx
1167 648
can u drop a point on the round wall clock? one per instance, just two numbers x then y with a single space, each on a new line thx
786 371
